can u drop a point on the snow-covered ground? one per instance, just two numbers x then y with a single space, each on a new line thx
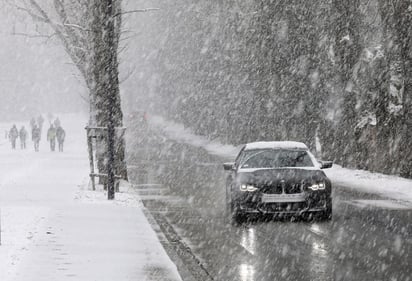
393 187
54 228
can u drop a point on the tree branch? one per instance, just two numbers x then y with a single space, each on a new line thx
28 11
75 26
34 35
137 11
76 57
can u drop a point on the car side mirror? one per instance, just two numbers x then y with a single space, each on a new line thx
230 166
326 164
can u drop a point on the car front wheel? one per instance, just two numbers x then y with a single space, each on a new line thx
233 212
326 215
236 215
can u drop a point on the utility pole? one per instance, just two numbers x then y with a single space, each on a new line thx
111 155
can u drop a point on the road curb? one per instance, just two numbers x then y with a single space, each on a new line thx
188 265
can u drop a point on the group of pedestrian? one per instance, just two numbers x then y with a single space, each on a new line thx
14 134
54 133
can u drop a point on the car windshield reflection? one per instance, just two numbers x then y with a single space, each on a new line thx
277 158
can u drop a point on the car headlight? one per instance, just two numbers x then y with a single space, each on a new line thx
248 187
317 186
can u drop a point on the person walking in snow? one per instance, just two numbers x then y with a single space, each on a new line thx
60 134
35 136
51 137
13 135
23 136
56 122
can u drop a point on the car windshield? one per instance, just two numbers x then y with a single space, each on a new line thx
276 158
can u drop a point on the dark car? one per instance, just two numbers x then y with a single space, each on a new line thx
279 178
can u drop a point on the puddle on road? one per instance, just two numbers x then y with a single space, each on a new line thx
248 240
247 272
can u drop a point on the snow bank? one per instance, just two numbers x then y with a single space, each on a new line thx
179 133
389 186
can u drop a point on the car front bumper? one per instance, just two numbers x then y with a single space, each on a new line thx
250 203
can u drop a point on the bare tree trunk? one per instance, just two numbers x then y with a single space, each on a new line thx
105 38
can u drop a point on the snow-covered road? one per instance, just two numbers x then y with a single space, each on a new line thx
53 228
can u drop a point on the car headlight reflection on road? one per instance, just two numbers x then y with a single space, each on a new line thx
248 187
317 186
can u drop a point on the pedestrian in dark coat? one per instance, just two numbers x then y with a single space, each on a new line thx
13 135
23 136
56 123
51 137
35 136
61 135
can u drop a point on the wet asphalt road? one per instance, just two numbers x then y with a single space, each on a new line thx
185 186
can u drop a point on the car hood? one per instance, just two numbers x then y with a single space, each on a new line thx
270 176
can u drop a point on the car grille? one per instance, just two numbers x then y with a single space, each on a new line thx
272 189
283 207
293 188
282 188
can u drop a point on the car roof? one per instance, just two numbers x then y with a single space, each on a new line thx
276 145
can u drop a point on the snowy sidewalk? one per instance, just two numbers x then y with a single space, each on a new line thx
53 228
